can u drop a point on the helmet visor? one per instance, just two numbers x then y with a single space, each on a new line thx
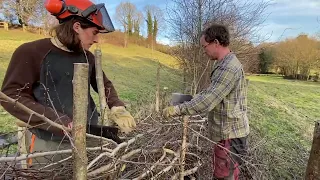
104 19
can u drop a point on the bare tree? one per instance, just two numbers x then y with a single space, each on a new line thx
137 23
129 18
297 57
188 18
23 11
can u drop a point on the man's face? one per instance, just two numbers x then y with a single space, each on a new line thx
209 48
88 36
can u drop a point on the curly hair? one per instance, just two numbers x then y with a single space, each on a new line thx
217 32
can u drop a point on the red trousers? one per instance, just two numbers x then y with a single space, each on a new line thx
226 164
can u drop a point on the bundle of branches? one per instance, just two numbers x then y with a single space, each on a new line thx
152 152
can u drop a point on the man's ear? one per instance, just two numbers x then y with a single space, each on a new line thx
77 27
216 41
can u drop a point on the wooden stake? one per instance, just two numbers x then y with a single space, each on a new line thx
313 168
80 110
101 89
158 89
183 146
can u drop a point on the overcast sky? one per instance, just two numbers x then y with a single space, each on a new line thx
287 18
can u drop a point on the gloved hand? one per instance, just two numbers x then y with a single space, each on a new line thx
171 111
122 118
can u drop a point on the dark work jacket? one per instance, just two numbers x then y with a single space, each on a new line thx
40 75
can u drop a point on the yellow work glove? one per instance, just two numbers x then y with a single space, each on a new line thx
122 118
171 111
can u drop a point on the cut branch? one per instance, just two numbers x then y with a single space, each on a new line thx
183 146
80 115
101 89
109 166
31 112
45 119
35 155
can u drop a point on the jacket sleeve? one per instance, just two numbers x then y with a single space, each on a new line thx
223 81
112 97
23 71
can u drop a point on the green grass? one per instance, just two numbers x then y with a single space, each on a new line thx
283 112
293 102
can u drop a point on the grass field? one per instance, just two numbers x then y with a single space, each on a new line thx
282 112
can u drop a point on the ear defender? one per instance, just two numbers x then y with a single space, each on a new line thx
55 6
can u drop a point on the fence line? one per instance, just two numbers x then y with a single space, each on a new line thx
4 25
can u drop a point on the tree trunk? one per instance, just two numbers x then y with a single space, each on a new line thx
80 110
313 168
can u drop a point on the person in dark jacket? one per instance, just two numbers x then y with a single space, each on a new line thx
40 75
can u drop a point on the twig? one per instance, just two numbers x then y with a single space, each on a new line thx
35 155
109 166
61 161
31 112
124 144
97 158
166 169
186 173
177 124
103 138
152 167
114 152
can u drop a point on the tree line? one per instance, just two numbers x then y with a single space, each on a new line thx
294 58
131 20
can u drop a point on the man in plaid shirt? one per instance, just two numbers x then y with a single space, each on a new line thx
225 101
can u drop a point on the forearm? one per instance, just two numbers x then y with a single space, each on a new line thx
202 103
222 84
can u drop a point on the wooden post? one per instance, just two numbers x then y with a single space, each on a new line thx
163 99
158 89
6 26
22 149
313 167
24 28
183 146
80 110
101 89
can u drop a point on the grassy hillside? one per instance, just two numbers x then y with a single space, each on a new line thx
132 70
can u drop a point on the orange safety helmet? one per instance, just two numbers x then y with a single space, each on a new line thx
95 13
